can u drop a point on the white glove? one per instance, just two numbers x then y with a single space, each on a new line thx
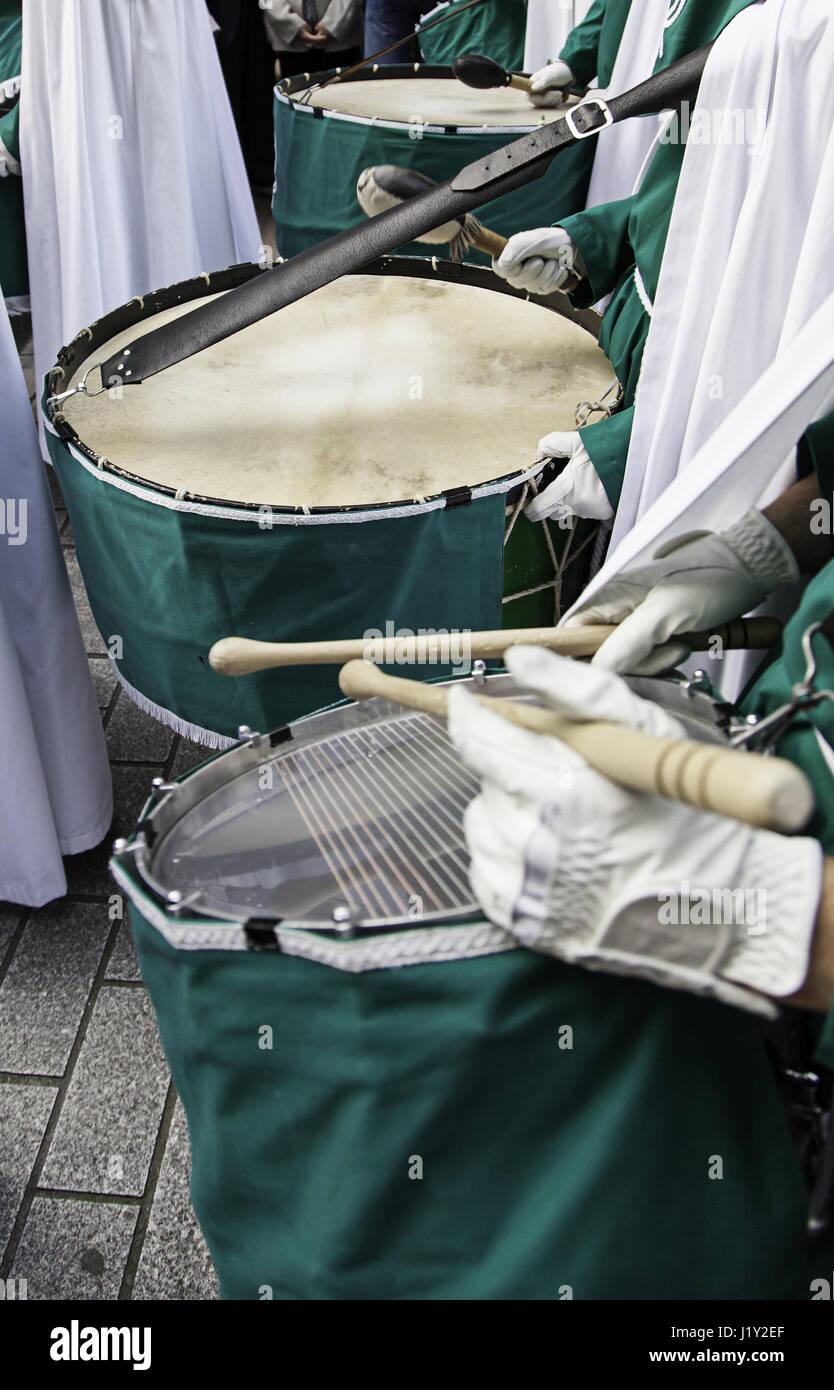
694 582
576 867
549 84
578 490
539 261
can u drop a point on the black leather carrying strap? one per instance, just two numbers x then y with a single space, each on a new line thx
508 168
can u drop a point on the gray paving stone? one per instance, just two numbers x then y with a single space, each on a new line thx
104 679
175 1264
110 1118
47 984
136 736
10 915
189 755
87 873
93 643
24 1113
72 1249
124 962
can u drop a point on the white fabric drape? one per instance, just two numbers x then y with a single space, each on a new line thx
548 24
132 172
56 779
750 253
622 151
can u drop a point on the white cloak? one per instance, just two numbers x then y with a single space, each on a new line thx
56 795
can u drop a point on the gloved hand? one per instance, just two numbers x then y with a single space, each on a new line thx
540 261
578 490
694 582
549 84
575 867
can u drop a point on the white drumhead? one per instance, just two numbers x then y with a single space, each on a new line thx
441 101
372 389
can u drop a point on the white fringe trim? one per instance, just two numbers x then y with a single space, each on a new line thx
208 737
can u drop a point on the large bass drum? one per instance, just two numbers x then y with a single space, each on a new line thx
388 1097
418 117
356 461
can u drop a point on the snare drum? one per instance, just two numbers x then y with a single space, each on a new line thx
380 1099
351 462
418 117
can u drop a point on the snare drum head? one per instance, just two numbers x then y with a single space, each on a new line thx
434 101
359 809
374 389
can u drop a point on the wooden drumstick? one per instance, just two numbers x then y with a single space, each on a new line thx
239 656
476 70
385 186
769 793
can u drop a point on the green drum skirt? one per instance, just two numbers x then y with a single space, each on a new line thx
388 1097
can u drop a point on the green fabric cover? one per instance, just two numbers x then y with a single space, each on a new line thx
308 210
772 688
171 583
495 28
542 1167
592 47
14 272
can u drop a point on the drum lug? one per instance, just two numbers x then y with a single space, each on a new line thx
342 918
479 673
246 735
698 684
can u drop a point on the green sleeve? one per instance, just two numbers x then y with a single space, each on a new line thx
602 236
815 454
581 52
607 444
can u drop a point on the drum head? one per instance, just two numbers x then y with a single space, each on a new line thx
375 389
430 101
356 810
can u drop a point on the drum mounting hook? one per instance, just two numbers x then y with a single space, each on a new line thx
80 386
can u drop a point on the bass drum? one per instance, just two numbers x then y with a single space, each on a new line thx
354 462
381 1100
418 117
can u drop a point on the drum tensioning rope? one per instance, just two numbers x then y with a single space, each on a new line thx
767 792
506 169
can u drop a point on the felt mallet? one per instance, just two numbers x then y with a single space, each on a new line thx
385 186
476 70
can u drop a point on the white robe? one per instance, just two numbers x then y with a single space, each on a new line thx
548 24
622 151
56 793
740 355
132 172
750 252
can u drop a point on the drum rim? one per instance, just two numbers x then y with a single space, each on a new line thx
169 803
135 311
286 88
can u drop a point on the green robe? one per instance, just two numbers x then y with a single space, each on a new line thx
14 274
495 28
618 238
772 687
592 47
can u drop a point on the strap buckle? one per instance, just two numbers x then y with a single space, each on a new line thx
578 119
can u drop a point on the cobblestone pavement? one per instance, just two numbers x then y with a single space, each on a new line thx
94 1158
94 1154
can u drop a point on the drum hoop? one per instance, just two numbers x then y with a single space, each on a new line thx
136 310
285 91
169 803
